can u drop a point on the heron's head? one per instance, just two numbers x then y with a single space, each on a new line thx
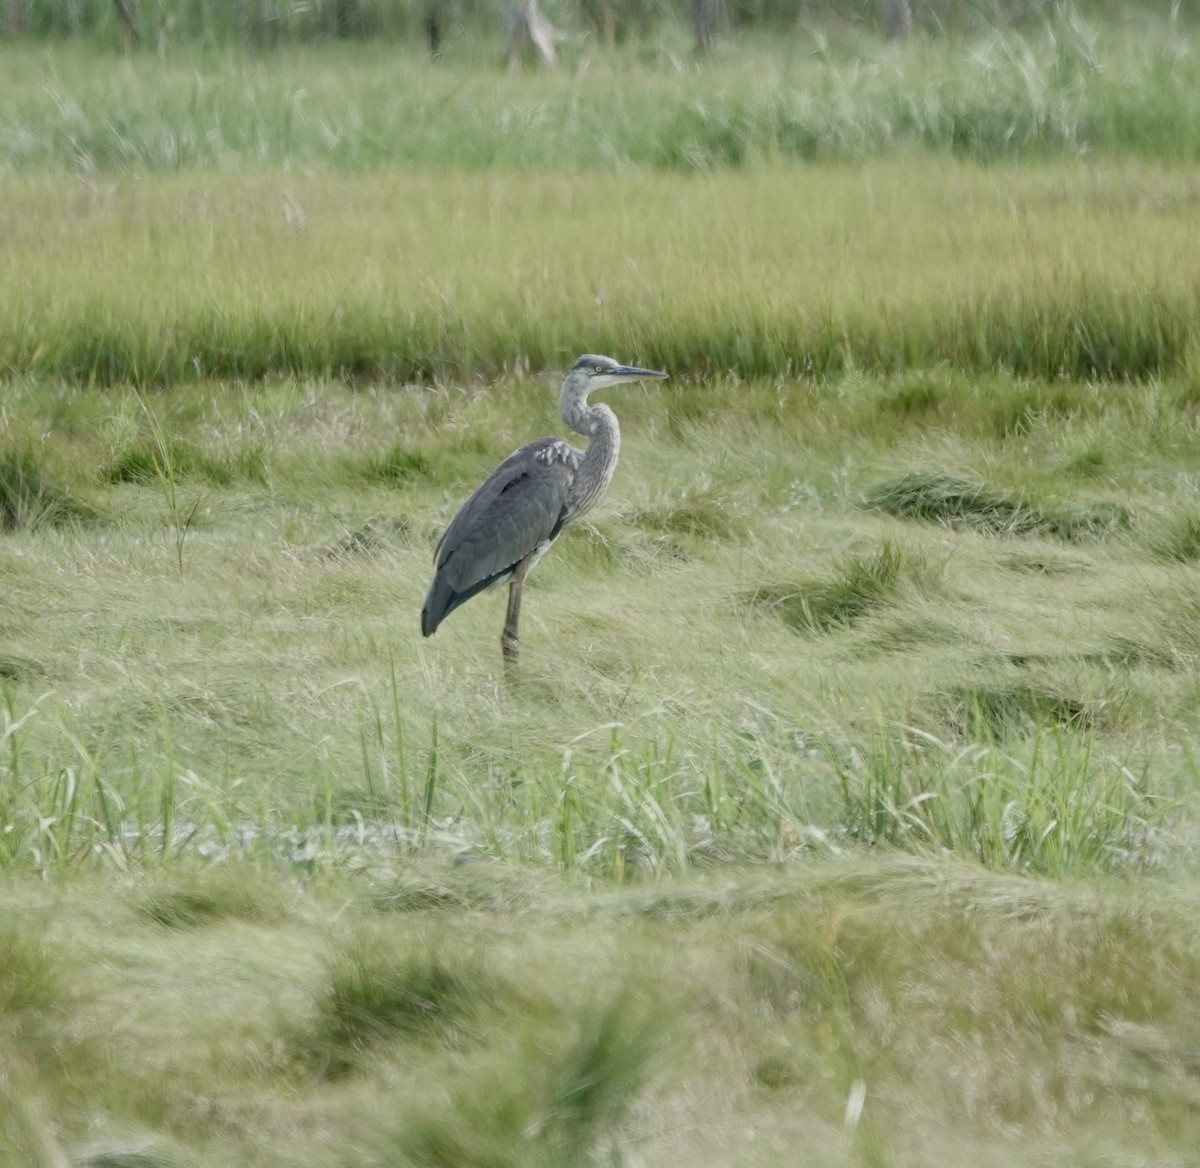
604 371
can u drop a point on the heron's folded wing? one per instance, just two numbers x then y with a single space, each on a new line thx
521 504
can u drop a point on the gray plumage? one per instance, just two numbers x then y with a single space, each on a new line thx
506 526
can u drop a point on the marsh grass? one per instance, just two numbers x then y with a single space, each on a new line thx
1060 86
947 499
138 1151
596 1078
53 808
830 973
1052 809
1004 711
208 276
252 721
272 22
373 537
29 498
189 894
558 1108
1177 540
793 982
378 994
856 587
957 502
149 463
33 986
286 883
26 1139
690 516
451 461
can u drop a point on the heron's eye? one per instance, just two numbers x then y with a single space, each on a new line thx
599 369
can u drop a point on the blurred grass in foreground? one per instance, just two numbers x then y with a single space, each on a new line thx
881 1011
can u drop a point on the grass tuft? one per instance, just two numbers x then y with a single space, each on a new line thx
32 980
559 1110
40 995
1178 540
990 713
957 502
1094 520
14 667
189 894
395 466
447 459
1052 807
370 538
465 886
147 1152
594 1082
149 463
378 993
28 499
856 587
695 514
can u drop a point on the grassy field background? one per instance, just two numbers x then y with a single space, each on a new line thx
845 800
1041 270
824 91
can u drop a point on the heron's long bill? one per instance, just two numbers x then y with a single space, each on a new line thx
635 374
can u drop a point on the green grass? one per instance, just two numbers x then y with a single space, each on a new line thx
1089 276
254 688
1059 86
569 1112
960 1010
271 22
845 795
1053 809
946 499
379 994
855 588
28 497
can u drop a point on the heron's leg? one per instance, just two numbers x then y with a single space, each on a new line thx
508 639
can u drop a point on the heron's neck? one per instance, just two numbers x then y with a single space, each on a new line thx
599 425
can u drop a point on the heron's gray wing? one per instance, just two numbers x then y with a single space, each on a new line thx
521 505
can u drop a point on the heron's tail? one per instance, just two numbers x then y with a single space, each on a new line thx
443 599
440 603
437 605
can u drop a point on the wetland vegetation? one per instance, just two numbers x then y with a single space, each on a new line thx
846 797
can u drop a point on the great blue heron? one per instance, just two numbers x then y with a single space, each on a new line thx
505 527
